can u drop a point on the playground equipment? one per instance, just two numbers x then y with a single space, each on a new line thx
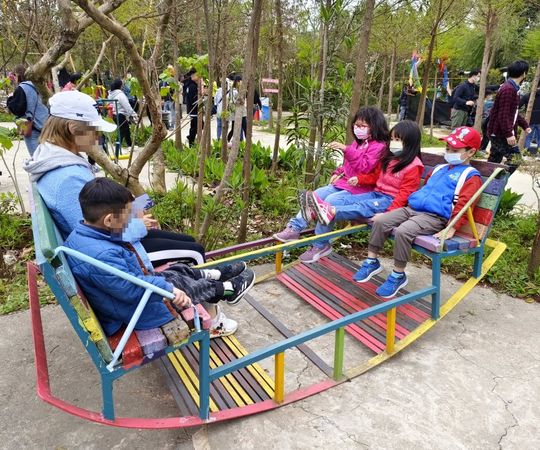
215 380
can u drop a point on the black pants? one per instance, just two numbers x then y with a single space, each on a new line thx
164 246
501 149
194 123
125 133
192 282
242 132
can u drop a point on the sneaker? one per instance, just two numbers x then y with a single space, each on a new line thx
288 234
324 210
392 285
305 209
315 253
221 325
368 269
241 285
229 271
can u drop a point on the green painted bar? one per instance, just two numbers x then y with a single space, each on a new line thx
488 201
338 353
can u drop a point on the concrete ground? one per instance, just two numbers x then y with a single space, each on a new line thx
469 383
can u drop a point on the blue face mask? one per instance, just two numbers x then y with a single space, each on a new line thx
453 158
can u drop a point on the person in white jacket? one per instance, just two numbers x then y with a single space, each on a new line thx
123 111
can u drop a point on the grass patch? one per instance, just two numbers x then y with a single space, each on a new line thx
428 141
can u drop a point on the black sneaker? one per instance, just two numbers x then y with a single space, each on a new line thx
241 284
229 271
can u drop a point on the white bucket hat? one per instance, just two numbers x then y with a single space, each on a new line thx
74 105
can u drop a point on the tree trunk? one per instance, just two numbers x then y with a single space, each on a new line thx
381 87
279 26
490 26
177 102
253 33
131 176
425 80
432 115
391 80
246 188
360 58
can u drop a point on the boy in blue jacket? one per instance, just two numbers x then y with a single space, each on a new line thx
446 191
106 208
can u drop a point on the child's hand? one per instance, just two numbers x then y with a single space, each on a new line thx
353 181
337 146
181 299
149 222
449 234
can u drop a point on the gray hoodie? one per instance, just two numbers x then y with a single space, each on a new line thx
48 157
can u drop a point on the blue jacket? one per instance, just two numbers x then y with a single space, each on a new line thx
437 195
35 108
113 299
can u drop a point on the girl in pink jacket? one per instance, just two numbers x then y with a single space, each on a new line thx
357 175
399 176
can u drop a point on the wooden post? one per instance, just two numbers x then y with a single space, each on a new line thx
279 393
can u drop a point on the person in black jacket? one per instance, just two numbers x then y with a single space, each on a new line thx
534 123
464 99
191 98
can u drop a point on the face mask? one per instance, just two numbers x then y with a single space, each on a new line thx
361 132
396 147
453 158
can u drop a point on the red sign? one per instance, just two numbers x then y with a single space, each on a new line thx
271 91
270 80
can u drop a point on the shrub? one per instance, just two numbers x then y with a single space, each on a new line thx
509 199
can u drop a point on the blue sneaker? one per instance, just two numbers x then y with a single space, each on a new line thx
368 269
392 285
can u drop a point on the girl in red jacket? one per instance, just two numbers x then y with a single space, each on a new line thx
357 175
400 172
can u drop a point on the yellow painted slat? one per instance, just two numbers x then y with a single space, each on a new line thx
239 395
189 378
256 370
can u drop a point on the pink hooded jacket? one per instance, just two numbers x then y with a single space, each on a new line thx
360 160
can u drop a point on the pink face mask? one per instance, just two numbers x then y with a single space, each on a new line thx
361 132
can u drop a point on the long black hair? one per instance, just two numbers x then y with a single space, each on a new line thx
374 117
411 136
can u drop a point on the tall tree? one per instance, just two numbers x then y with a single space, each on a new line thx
279 31
253 33
360 58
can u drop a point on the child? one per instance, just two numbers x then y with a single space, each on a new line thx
358 173
106 208
401 172
446 191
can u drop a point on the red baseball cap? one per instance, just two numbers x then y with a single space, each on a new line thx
463 137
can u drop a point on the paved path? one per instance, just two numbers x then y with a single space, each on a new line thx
519 182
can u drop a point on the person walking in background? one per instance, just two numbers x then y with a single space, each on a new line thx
74 79
191 99
534 136
123 112
26 105
218 103
504 117
488 104
403 102
464 99
232 108
167 94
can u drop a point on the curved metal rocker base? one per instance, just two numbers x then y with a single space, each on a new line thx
44 390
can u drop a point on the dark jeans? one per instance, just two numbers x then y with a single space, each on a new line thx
164 246
501 149
194 123
242 132
125 133
192 282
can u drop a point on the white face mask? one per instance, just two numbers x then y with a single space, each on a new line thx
453 158
396 147
361 132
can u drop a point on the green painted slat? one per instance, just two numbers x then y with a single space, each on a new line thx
488 201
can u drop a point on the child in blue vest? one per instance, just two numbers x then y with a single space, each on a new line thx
106 207
446 191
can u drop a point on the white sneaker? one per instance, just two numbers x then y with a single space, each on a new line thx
222 325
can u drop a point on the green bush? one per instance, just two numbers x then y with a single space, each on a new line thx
509 199
15 229
141 135
428 141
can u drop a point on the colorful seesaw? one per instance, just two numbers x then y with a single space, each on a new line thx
216 380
